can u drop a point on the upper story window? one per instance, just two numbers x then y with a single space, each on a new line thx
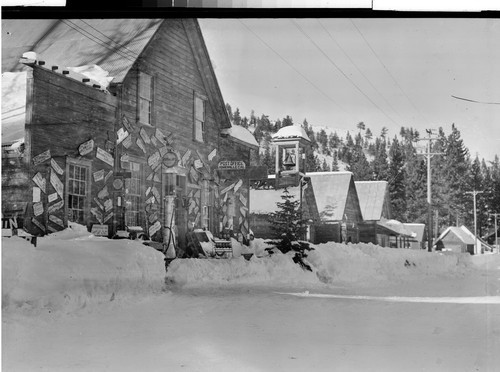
199 118
145 99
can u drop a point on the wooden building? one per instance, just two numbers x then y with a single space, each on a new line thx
153 149
418 237
337 205
455 239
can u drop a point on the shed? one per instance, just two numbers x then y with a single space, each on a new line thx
455 239
417 240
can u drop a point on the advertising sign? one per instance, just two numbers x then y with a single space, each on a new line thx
41 157
86 147
99 230
105 156
231 164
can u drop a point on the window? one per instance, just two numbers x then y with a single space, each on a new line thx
78 187
133 215
145 98
199 118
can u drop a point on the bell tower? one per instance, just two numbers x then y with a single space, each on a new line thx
292 144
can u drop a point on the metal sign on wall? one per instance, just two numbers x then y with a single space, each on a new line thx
231 164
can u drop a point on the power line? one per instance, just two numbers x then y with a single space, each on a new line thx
292 67
387 70
341 71
358 69
471 100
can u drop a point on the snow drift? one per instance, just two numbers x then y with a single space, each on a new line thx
73 269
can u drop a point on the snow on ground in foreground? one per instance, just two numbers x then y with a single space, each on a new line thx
72 269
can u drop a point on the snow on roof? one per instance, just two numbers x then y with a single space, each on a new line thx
418 229
460 232
291 131
331 190
240 133
13 106
113 44
396 227
263 201
371 196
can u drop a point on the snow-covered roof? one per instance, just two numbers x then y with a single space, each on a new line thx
371 196
331 190
242 134
263 201
113 44
396 227
416 228
291 131
461 232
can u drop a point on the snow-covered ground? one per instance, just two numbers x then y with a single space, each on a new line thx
79 302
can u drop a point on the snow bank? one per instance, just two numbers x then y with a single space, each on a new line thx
73 269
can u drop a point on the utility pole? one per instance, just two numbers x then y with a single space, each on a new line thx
429 155
474 193
496 230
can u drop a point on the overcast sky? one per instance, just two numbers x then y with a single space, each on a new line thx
388 72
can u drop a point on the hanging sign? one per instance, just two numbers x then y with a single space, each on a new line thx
99 175
56 167
121 135
105 156
56 183
40 181
38 209
231 164
56 220
86 147
56 207
99 230
40 158
153 229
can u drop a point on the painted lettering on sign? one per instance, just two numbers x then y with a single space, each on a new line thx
40 181
99 230
56 183
56 167
40 158
231 164
105 156
53 197
99 175
86 147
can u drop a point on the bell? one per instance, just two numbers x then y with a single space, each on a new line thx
289 160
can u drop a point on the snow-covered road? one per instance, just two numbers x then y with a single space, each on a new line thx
254 330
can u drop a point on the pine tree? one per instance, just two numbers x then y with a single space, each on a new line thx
289 227
396 181
335 162
229 112
237 117
380 166
368 134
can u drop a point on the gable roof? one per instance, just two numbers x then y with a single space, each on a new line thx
418 229
113 44
371 196
459 232
331 190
